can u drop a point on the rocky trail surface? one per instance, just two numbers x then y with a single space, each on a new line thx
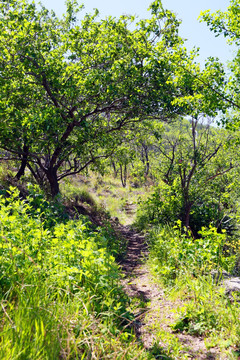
154 312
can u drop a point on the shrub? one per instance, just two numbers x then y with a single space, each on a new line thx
59 287
77 194
166 205
163 206
174 252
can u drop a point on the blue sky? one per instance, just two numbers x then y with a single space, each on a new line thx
188 11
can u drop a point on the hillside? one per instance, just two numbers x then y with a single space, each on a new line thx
119 187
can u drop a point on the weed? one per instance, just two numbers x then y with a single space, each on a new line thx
185 265
59 288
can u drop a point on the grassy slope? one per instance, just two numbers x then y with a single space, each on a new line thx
107 192
60 294
72 323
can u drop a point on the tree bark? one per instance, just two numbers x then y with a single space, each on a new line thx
123 175
186 215
24 159
114 169
51 174
147 163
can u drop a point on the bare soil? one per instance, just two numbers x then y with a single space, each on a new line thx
156 313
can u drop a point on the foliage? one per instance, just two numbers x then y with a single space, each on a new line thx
49 211
135 157
59 288
201 91
163 206
174 252
69 88
208 311
186 267
94 94
227 24
197 171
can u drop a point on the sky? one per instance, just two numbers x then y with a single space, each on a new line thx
196 33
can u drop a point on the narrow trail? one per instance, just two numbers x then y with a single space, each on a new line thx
156 312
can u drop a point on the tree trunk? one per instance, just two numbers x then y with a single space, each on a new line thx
24 159
186 215
53 182
146 161
123 175
114 169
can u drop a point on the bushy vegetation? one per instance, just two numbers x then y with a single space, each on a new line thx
175 252
126 104
192 270
60 292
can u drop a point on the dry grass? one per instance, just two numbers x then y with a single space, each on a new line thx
106 192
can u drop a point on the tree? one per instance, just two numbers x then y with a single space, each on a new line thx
227 24
68 88
135 156
192 156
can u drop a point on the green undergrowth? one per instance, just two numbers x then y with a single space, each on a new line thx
174 251
60 287
191 271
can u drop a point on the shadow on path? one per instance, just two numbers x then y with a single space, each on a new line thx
154 308
137 252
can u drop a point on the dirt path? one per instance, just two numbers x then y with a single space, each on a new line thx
155 313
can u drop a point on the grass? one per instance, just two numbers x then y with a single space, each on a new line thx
60 294
59 288
105 192
183 266
44 327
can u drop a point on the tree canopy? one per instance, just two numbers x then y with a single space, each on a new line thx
69 87
227 24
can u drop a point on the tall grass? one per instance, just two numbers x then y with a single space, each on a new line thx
59 288
187 267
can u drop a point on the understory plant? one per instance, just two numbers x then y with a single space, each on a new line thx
163 206
192 270
60 289
174 251
207 310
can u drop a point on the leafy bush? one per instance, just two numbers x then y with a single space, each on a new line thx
59 288
69 254
175 252
163 206
166 205
50 211
205 213
208 310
